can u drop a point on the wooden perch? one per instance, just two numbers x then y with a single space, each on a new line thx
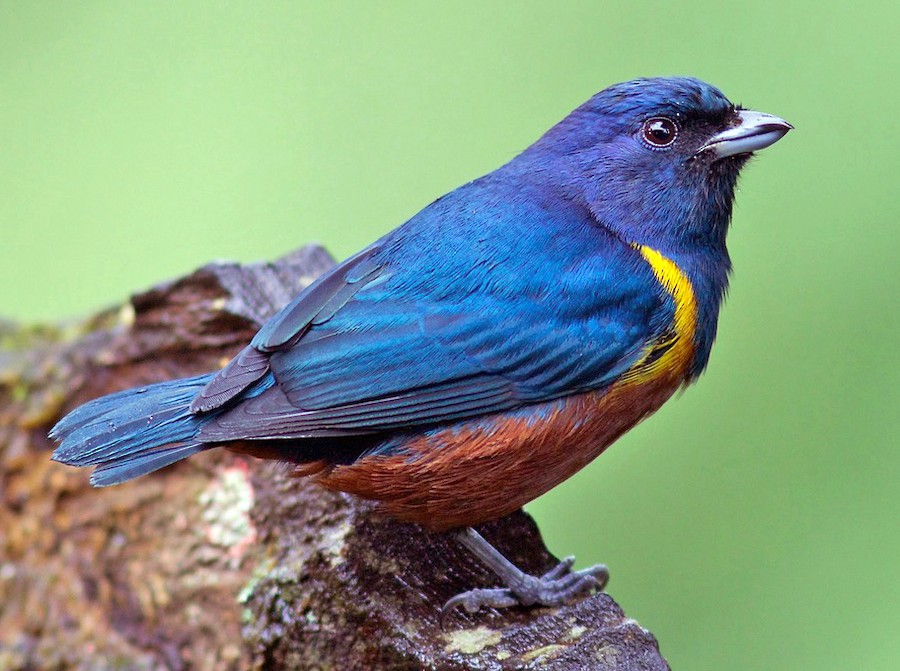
223 562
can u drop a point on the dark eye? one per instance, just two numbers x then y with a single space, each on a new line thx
659 132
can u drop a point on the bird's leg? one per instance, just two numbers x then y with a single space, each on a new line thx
556 587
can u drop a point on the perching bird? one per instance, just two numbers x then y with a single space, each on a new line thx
491 346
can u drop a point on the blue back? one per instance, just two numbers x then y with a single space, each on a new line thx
464 310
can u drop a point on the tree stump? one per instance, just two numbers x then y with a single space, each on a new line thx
226 562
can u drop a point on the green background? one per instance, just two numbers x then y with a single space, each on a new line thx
753 522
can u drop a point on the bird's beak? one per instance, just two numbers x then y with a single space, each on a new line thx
755 131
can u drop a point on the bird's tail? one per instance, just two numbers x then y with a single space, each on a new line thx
132 432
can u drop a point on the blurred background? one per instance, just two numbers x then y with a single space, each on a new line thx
753 522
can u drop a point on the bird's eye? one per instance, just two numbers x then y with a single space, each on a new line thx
659 132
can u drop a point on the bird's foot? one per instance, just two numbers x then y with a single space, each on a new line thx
556 587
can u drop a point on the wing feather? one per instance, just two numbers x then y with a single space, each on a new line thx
317 304
430 326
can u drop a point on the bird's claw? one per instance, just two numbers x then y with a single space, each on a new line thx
475 599
564 567
556 587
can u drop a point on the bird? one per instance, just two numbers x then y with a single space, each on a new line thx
491 346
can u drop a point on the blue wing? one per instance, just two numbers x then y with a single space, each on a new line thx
462 312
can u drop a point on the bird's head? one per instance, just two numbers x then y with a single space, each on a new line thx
657 159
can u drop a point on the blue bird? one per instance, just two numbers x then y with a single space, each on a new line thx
491 346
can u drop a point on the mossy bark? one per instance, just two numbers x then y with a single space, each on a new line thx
224 562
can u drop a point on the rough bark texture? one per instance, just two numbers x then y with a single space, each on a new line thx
227 563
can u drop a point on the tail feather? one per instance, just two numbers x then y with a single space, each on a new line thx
119 470
132 432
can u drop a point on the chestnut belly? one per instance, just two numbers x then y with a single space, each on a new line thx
483 469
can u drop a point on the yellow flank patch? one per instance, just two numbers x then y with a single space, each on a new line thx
673 352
